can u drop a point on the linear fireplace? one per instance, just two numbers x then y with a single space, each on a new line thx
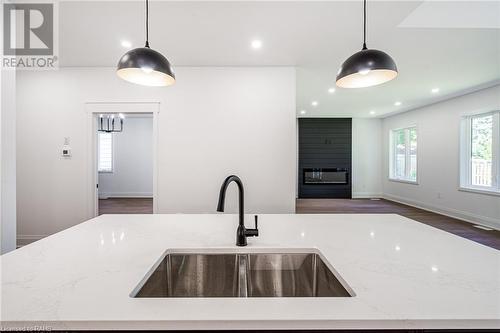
325 176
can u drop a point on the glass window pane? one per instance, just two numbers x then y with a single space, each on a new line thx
399 154
105 162
481 150
413 154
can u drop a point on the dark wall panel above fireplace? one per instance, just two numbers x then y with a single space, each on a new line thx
325 146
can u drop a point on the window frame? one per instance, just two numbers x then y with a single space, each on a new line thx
99 170
465 179
392 157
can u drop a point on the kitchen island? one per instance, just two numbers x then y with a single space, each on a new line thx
404 275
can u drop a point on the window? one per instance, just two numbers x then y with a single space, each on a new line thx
480 152
105 152
403 156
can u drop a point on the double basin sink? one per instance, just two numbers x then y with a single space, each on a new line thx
302 273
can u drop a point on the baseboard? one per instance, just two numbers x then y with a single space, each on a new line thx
454 213
366 195
125 195
23 240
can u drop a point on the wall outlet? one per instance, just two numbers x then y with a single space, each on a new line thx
66 151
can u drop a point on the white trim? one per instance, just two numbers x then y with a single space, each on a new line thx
406 127
91 110
392 159
479 190
404 181
464 151
125 195
476 113
465 174
495 166
482 227
450 212
366 195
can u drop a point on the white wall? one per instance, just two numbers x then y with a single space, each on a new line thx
132 174
213 122
8 161
366 157
438 128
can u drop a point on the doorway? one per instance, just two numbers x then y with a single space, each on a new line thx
123 154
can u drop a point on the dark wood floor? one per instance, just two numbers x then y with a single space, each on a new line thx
126 206
367 206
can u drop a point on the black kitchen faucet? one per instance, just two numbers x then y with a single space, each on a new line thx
242 233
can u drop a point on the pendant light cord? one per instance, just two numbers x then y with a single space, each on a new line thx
364 25
147 23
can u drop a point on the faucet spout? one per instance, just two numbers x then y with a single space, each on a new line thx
241 233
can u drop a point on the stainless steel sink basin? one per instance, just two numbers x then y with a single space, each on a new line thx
193 275
255 274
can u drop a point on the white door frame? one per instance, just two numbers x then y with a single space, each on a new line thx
93 108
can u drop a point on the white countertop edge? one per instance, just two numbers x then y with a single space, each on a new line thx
258 325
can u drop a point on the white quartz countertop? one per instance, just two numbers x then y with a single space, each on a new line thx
405 275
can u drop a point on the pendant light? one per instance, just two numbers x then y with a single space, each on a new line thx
145 66
367 67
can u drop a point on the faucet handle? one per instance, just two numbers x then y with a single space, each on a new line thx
253 232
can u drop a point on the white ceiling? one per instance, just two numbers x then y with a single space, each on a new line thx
314 36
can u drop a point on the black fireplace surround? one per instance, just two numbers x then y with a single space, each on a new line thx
325 157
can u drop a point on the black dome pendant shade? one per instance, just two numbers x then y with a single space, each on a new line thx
145 66
367 67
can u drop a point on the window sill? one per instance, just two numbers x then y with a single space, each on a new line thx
479 191
411 182
111 171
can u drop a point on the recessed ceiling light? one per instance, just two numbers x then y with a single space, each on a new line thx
372 112
314 103
303 111
331 90
435 90
126 44
256 44
434 268
397 103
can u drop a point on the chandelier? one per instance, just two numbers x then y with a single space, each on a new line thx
107 123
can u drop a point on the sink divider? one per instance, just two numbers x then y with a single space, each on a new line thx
168 273
242 275
315 275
